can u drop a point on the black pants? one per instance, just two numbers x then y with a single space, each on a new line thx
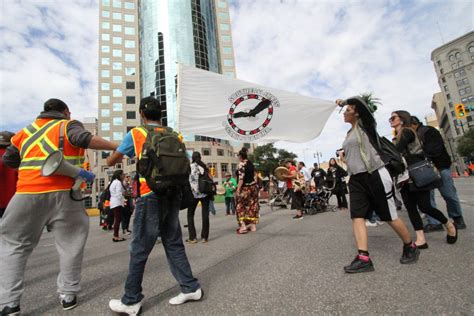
126 214
420 200
341 200
110 218
117 219
205 218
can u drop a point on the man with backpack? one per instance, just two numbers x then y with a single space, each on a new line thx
434 149
157 207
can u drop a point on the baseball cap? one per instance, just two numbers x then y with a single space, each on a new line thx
5 138
150 103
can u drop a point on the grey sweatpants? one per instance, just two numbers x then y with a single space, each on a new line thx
20 231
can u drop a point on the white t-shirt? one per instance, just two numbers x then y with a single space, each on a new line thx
116 194
306 174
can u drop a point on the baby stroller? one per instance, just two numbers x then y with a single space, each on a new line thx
318 202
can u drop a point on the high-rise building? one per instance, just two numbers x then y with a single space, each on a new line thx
194 32
454 65
90 124
119 77
140 44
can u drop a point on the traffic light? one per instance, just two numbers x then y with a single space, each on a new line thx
460 111
86 165
212 171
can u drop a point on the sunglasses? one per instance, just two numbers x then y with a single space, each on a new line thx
392 118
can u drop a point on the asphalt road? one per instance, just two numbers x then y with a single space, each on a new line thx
286 268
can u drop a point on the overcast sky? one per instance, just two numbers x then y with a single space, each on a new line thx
326 49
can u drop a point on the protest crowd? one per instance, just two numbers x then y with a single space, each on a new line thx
371 177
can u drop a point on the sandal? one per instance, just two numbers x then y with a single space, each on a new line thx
240 231
118 239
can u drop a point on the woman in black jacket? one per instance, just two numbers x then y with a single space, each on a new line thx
414 198
337 173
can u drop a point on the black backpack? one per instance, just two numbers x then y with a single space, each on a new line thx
390 156
205 184
164 162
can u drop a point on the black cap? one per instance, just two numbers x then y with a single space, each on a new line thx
5 138
55 105
150 103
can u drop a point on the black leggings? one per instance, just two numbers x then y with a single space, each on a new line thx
205 218
341 200
420 200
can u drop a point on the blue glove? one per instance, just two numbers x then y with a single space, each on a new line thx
88 176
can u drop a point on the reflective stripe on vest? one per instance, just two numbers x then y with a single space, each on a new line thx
35 147
139 135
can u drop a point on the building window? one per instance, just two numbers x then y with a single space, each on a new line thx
441 71
462 92
130 57
105 126
105 61
116 66
104 99
443 79
451 57
234 168
105 113
106 14
118 121
130 100
117 28
224 168
129 17
130 85
129 44
102 183
117 53
130 30
227 50
468 90
131 115
105 37
105 73
228 62
117 79
229 74
222 4
129 5
224 26
105 86
117 93
105 25
106 3
439 63
457 55
460 63
117 135
116 3
220 152
223 15
471 49
117 107
225 38
117 16
105 49
117 40
130 71
129 128
206 151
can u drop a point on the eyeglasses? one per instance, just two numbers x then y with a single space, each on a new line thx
392 118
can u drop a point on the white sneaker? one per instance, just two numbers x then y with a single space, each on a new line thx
379 223
119 307
370 224
183 298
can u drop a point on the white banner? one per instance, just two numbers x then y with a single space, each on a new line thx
214 105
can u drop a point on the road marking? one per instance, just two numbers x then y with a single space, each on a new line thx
48 245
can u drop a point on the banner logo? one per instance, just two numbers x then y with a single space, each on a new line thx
250 114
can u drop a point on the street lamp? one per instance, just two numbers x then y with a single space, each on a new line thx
317 155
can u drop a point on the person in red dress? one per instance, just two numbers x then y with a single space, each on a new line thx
8 175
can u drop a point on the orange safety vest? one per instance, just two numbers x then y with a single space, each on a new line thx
35 143
139 136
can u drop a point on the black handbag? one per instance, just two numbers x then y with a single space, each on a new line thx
423 174
205 184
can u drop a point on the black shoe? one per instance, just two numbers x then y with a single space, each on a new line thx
69 305
429 228
459 221
357 265
452 239
410 254
424 246
298 217
10 311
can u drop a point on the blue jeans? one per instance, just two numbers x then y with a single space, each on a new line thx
450 196
146 229
229 205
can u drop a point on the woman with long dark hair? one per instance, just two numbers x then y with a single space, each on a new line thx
198 168
340 188
370 184
246 196
409 146
116 201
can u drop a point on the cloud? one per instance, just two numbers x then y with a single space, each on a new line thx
336 49
48 49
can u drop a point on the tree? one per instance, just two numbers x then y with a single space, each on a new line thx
267 158
466 145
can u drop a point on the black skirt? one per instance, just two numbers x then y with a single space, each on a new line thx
297 200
